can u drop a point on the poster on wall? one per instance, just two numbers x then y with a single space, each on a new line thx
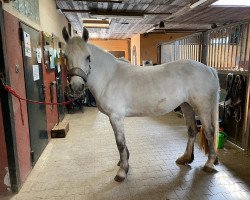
52 58
36 75
39 55
27 44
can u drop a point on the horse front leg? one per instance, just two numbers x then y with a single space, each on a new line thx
118 127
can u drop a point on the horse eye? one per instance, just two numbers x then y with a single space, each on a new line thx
88 58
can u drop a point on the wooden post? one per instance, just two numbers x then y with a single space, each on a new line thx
246 122
204 46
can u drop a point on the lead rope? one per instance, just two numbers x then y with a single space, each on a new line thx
10 90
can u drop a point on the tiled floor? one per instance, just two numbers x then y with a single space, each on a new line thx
83 165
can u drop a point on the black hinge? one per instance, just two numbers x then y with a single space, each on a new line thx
21 34
2 78
32 157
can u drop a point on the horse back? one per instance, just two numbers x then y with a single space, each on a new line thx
156 90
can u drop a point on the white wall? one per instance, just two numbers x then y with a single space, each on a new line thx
51 21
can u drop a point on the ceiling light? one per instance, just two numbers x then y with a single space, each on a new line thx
194 5
231 3
96 23
116 14
104 1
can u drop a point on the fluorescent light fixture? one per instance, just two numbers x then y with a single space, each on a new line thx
96 23
151 29
104 1
116 15
231 3
194 5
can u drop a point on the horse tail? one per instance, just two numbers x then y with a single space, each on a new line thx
203 143
214 118
215 111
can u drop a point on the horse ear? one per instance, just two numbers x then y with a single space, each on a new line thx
65 34
85 34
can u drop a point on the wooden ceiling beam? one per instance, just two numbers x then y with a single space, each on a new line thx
114 13
102 1
185 10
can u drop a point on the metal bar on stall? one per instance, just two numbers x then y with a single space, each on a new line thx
213 50
209 50
198 48
189 54
182 55
246 120
220 49
232 54
185 49
237 47
217 50
229 66
246 48
193 39
242 36
225 47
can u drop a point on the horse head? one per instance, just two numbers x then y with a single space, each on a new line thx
78 59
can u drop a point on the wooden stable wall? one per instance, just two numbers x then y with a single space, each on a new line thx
150 42
52 22
146 45
49 77
3 157
113 45
13 58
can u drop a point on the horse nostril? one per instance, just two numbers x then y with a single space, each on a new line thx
82 86
70 86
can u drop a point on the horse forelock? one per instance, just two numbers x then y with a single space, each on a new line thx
74 45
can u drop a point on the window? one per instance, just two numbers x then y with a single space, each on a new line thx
28 8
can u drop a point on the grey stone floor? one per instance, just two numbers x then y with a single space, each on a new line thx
83 165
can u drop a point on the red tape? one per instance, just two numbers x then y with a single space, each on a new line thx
15 94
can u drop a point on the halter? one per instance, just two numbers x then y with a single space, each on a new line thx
77 71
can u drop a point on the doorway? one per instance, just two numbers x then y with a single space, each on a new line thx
34 90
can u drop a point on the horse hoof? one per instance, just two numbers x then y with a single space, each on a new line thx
119 178
209 169
182 161
190 161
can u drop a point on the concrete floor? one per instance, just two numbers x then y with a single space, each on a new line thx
82 165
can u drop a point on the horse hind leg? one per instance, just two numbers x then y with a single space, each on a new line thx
117 125
189 115
209 125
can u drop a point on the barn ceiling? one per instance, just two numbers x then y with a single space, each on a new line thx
129 17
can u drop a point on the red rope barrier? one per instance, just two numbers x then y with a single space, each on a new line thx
15 94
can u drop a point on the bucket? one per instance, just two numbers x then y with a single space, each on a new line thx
222 137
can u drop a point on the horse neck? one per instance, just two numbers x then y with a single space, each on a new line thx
103 65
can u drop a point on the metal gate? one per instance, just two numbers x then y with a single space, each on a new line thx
227 49
34 90
185 48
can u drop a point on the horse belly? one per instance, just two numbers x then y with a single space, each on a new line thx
154 108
